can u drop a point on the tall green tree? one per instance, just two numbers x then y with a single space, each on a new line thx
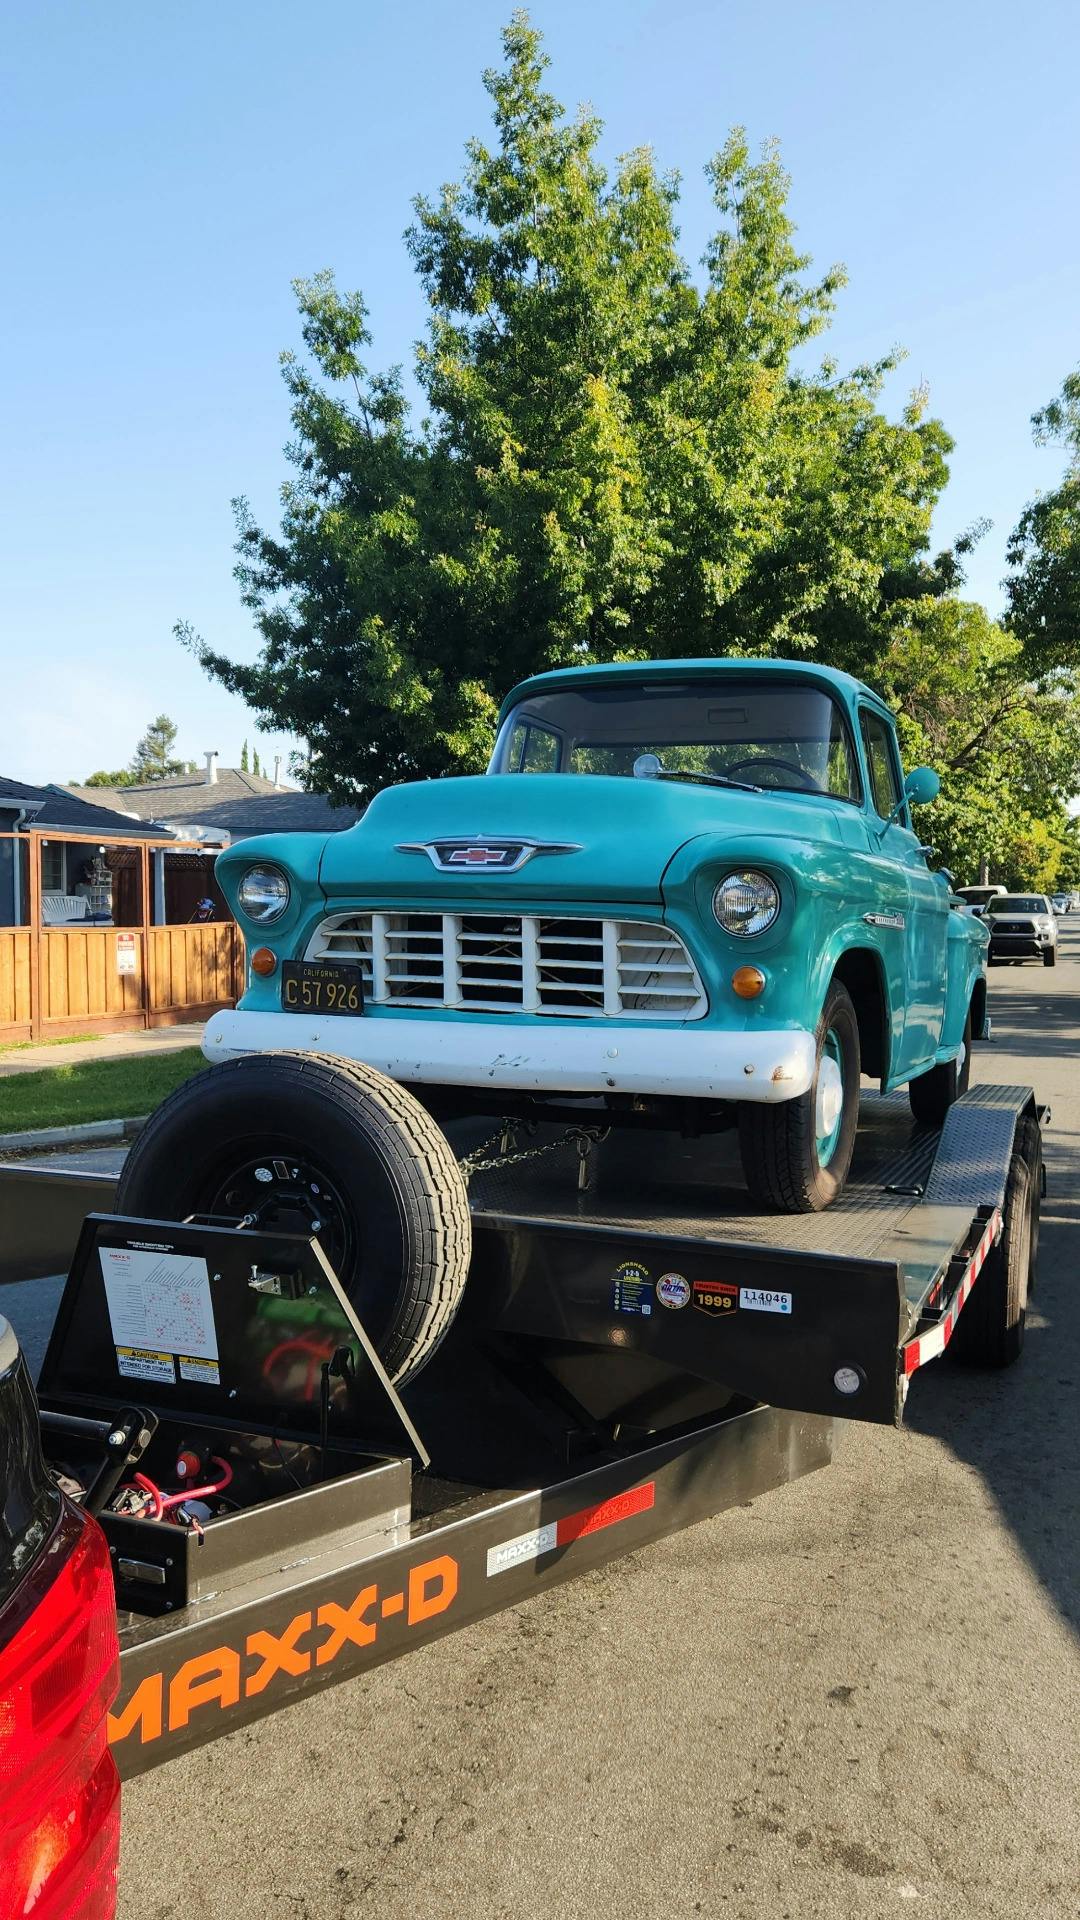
154 758
617 460
1006 744
1043 584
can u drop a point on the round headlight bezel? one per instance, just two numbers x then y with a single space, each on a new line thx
277 900
751 920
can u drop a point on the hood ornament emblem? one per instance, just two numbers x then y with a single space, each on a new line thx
477 853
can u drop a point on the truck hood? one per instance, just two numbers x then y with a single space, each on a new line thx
548 836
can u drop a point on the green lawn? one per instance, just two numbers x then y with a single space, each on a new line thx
92 1090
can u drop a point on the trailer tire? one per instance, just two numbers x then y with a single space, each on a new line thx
932 1094
779 1145
990 1330
344 1147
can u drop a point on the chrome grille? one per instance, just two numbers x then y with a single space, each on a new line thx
513 963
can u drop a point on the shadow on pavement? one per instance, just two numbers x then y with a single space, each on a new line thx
1019 1429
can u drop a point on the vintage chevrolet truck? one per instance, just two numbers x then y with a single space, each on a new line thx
707 894
687 895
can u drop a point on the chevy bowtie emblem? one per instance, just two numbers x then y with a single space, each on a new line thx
478 857
458 856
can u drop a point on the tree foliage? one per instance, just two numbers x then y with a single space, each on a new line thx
1043 585
620 459
617 461
153 759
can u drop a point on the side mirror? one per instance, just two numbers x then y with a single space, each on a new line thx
921 786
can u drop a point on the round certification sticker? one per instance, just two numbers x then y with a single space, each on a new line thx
672 1290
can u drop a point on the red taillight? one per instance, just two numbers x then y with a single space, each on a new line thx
59 1789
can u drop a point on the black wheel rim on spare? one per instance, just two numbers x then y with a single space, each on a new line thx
281 1189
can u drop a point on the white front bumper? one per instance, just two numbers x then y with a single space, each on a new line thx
699 1062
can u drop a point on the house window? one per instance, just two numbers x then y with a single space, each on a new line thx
52 866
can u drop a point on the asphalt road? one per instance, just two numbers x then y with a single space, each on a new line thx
858 1697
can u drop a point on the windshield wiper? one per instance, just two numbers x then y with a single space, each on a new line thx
655 770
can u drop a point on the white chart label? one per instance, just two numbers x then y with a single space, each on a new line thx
159 1301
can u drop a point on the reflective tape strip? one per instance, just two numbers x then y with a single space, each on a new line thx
573 1526
927 1346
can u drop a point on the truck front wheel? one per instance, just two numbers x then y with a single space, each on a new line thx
309 1143
796 1156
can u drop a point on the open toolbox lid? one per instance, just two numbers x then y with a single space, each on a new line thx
203 1321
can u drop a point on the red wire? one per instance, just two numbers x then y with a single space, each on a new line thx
147 1486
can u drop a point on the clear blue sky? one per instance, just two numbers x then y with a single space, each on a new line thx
169 170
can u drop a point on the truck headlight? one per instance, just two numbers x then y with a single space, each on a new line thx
263 894
746 902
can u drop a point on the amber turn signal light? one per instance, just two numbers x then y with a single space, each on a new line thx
748 982
264 961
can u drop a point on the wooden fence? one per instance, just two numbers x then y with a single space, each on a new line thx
100 979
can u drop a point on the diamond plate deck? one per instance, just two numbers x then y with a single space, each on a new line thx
659 1183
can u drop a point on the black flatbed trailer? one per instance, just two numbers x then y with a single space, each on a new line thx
631 1356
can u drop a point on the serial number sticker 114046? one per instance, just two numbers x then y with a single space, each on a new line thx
761 1300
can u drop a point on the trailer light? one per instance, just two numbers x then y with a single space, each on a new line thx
263 962
748 982
263 894
60 1803
847 1379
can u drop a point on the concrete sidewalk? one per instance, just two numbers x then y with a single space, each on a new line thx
111 1046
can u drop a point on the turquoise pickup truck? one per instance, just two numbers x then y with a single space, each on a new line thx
687 893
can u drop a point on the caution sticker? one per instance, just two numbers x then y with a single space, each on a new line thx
204 1373
143 1363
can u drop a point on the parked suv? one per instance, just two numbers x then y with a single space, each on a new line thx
1022 927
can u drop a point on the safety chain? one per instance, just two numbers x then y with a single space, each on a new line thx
583 1138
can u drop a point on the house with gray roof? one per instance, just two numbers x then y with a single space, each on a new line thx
223 804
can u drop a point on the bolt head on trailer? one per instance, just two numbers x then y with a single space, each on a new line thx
706 907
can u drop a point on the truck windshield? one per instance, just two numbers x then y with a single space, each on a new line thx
1021 903
772 734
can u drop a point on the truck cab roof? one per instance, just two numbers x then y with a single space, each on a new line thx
667 672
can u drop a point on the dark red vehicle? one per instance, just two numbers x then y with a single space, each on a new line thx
59 1671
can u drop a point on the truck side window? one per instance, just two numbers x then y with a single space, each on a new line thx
881 760
532 749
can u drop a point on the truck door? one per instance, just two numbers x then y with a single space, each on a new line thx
927 902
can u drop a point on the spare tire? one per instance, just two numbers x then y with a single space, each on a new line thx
308 1142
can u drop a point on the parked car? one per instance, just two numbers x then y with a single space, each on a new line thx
59 1669
1022 927
1061 902
687 892
977 899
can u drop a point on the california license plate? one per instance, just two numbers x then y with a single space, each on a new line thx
316 986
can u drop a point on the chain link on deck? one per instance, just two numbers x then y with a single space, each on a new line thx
481 1160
